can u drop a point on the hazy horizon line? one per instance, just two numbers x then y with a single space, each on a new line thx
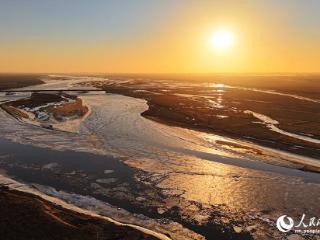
157 73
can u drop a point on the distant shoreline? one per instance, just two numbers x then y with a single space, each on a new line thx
8 81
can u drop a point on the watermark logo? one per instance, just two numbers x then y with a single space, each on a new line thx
303 225
284 223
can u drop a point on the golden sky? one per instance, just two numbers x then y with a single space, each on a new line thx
159 36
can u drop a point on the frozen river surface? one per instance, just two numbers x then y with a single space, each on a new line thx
250 181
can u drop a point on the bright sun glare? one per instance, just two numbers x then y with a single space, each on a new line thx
222 39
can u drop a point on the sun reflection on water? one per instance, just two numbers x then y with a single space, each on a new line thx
216 85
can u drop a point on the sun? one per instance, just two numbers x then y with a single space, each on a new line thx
222 39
